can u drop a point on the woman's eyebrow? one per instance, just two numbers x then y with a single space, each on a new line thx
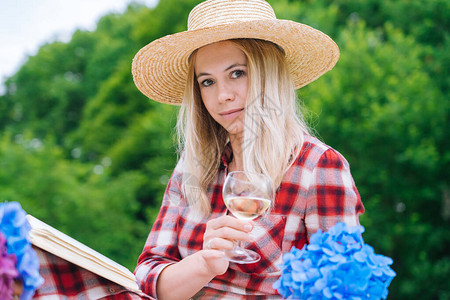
235 65
228 68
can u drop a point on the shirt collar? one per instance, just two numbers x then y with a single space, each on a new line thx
227 156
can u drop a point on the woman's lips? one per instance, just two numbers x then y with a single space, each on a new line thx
230 114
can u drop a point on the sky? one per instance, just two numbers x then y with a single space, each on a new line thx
25 25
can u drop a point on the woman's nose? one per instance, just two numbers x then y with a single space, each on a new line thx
225 92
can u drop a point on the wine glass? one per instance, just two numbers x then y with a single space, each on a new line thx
247 196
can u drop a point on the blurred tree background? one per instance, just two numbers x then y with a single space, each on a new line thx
83 150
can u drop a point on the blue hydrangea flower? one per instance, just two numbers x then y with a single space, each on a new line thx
8 271
336 264
15 228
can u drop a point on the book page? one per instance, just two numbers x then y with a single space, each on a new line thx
54 241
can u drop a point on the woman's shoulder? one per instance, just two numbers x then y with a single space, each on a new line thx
316 153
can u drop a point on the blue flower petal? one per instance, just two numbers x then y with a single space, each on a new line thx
299 276
389 272
360 256
320 284
328 252
297 265
314 247
339 258
340 248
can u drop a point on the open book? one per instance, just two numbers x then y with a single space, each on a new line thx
53 241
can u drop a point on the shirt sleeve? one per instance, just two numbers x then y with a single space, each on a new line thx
65 280
332 195
161 249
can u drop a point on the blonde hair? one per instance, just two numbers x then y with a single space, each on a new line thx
273 125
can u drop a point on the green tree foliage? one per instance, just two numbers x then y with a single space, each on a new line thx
82 200
387 123
83 150
80 97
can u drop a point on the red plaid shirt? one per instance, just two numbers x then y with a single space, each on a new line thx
316 192
64 281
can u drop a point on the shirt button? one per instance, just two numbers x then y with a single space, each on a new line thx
111 290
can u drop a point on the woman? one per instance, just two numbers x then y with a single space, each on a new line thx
235 72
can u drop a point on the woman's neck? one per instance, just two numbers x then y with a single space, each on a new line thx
237 163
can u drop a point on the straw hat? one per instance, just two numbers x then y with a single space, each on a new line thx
160 68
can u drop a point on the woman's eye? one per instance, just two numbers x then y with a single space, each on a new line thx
206 82
237 73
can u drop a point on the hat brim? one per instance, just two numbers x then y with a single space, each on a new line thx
160 68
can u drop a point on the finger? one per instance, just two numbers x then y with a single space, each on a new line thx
227 233
233 234
213 254
229 221
219 244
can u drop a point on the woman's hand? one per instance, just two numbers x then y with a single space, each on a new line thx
215 262
221 233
